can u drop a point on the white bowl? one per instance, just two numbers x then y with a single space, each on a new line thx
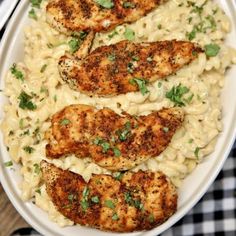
6 7
194 186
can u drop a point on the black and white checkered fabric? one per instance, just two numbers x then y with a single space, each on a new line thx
215 213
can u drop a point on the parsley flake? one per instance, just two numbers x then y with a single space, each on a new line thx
108 4
36 3
116 151
95 199
211 50
43 68
128 5
115 216
74 44
8 163
32 14
25 102
28 149
129 34
65 122
141 84
17 73
109 203
36 168
176 94
196 152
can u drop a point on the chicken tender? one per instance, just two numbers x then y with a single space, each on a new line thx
136 201
126 66
113 141
69 16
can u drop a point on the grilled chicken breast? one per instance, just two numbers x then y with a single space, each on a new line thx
136 201
69 16
110 70
112 141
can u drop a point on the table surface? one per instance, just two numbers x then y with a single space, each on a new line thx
10 220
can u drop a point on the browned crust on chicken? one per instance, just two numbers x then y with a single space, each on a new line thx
138 201
112 141
86 15
109 70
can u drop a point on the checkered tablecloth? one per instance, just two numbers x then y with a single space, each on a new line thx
215 213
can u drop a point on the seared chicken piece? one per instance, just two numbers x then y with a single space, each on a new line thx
111 70
69 16
136 201
112 141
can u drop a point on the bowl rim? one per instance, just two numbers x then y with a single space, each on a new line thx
30 218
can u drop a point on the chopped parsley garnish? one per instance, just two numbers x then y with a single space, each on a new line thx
159 84
43 68
36 3
115 216
196 152
95 199
129 34
128 5
74 44
32 14
159 26
65 122
130 67
129 200
97 140
111 57
141 84
8 163
118 175
109 203
84 202
211 50
38 191
189 99
108 4
25 102
116 151
85 192
43 89
112 34
105 146
135 58
36 168
71 197
17 73
11 132
21 123
101 142
80 35
165 129
28 149
176 94
125 132
151 218
203 23
190 140
55 98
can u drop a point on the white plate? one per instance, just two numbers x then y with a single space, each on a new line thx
6 7
194 186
